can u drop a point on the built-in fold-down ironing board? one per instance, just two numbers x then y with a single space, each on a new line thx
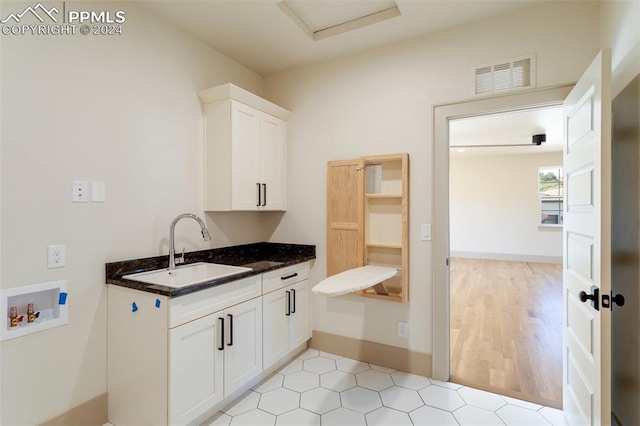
355 279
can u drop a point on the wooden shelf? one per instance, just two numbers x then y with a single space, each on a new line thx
384 196
394 297
387 246
368 220
386 218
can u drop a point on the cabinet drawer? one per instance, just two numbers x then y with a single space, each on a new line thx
195 305
279 278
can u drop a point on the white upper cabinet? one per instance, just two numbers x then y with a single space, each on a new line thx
245 151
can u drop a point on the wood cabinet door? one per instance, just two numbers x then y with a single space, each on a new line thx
245 157
345 220
242 344
195 369
275 336
272 162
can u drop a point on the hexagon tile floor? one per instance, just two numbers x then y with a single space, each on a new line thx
318 388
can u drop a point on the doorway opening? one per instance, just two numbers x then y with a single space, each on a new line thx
505 242
443 115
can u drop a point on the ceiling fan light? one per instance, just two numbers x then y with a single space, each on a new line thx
538 139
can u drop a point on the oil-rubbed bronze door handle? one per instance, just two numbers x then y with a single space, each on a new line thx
594 297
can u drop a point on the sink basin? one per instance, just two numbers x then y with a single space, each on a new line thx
186 275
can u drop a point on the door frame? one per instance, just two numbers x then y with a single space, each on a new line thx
442 114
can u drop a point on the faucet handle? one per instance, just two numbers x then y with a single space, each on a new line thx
180 259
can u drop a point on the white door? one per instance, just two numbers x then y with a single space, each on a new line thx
272 146
195 369
587 245
275 326
243 344
300 319
245 136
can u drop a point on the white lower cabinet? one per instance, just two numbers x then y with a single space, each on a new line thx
242 345
300 318
212 357
286 314
195 369
175 360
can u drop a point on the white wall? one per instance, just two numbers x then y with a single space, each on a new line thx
619 31
495 209
381 101
119 109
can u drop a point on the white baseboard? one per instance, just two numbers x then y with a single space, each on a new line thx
534 258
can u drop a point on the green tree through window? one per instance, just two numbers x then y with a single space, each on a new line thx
551 194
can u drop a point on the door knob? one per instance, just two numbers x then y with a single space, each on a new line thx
618 299
594 297
607 300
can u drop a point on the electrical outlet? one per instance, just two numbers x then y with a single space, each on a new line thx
403 329
80 191
56 257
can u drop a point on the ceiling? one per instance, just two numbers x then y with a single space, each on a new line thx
265 37
507 129
261 36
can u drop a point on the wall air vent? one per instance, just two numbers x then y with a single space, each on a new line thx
513 74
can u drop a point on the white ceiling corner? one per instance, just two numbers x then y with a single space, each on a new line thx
257 34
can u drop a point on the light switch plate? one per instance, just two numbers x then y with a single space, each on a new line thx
98 192
425 232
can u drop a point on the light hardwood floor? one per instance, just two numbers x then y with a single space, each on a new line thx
506 328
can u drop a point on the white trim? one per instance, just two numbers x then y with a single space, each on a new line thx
442 114
511 257
342 27
549 227
231 91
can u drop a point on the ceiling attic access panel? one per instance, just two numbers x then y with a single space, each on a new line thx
368 220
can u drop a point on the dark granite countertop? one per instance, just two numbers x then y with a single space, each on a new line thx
261 257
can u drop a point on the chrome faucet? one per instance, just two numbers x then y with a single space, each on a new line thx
172 236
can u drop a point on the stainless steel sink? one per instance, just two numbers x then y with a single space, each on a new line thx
187 275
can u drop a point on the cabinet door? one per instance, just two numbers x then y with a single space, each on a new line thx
275 338
195 369
243 344
345 220
245 157
300 319
272 162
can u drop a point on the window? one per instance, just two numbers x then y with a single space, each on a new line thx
551 194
